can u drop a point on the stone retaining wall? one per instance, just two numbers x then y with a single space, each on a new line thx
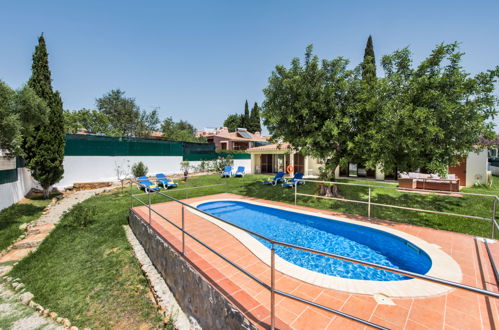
194 294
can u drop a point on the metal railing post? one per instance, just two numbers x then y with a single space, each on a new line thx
369 204
183 231
131 194
494 218
296 189
149 195
272 287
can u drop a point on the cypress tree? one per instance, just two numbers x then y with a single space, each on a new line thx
46 149
369 62
255 119
245 120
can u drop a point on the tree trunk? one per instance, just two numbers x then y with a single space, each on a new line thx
46 193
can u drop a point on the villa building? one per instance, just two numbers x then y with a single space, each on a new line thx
272 158
241 139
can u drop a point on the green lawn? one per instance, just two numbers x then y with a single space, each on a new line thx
15 215
470 205
89 274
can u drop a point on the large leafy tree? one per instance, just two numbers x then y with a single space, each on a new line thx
433 114
310 105
425 117
10 123
122 111
232 122
21 112
179 131
45 150
147 123
92 121
124 115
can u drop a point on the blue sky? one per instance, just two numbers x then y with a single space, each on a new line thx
200 60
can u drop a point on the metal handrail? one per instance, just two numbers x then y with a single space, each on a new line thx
327 254
369 203
266 286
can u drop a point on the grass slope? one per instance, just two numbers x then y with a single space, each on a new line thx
89 274
15 215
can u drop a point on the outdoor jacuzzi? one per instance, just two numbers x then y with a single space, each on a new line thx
346 237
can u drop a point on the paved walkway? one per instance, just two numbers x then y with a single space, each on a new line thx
456 309
39 229
13 313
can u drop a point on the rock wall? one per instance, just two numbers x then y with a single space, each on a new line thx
194 294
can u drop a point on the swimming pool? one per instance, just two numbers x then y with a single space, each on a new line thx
339 237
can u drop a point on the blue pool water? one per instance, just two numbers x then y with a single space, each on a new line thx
328 235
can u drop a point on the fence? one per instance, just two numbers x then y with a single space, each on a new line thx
369 203
273 243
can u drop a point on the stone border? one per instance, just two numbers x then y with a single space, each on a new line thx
162 294
27 298
443 266
195 295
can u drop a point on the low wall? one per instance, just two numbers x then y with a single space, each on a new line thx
13 192
194 294
103 168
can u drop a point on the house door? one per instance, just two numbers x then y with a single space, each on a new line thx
299 163
266 163
460 171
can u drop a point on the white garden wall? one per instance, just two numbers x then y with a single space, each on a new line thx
13 192
103 168
476 168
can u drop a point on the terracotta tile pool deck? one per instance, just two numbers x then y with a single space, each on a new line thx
457 309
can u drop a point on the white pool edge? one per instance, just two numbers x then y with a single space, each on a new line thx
443 266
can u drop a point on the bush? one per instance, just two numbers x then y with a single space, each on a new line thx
221 162
80 216
139 169
184 165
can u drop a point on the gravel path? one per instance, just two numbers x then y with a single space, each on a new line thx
15 315
54 214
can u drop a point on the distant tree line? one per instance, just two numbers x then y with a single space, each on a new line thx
250 121
118 115
425 116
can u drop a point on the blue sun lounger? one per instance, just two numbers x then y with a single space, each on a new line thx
144 183
227 172
279 177
240 172
290 183
165 181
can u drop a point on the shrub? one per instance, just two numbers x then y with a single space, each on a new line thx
80 216
184 165
139 169
221 162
